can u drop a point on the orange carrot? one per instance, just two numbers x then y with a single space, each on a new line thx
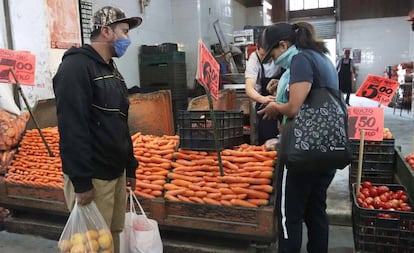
241 202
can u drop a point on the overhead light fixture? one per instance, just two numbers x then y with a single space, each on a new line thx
266 5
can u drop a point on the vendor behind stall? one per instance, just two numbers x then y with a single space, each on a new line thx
258 76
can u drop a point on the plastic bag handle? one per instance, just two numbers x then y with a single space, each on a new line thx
132 207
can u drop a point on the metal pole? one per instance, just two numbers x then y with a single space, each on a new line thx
19 88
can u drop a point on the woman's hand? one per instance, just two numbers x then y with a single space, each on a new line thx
270 111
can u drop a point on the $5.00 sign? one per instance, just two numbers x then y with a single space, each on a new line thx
208 70
378 88
22 63
369 119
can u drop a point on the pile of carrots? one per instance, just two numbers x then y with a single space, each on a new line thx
248 172
32 165
154 154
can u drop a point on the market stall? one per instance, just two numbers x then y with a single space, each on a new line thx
181 188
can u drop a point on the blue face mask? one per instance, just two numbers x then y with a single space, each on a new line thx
285 59
121 45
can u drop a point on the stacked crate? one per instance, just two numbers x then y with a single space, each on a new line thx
196 129
377 163
162 67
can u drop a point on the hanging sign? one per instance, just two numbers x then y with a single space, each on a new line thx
369 119
379 89
208 70
23 64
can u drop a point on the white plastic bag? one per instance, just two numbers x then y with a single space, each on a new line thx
141 234
85 231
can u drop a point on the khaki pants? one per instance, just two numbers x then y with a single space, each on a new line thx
110 198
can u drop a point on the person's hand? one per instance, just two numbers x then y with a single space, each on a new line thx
130 182
272 86
267 99
269 112
85 198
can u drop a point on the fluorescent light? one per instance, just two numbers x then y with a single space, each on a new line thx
266 5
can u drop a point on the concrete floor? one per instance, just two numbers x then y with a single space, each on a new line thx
339 205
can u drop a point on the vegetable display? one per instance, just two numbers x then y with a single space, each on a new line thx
154 154
164 170
248 172
32 165
381 197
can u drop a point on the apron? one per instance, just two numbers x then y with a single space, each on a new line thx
345 76
266 129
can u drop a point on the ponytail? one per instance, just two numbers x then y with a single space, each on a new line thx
306 38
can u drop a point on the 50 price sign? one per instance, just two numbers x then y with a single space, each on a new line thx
369 119
378 88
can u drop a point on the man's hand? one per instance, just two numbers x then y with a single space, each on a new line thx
85 198
130 182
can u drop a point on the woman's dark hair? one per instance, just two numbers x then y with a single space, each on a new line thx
306 38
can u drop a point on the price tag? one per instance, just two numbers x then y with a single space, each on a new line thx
379 89
208 70
23 64
369 119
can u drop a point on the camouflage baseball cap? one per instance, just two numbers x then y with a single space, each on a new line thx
109 15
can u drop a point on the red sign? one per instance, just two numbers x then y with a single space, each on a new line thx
22 63
208 70
369 119
379 89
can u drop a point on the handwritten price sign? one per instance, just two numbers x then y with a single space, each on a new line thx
378 88
23 64
208 70
369 119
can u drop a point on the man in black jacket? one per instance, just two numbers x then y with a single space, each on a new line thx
92 108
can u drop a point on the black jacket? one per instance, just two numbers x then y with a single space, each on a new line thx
92 109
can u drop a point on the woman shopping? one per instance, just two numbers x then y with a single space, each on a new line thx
302 193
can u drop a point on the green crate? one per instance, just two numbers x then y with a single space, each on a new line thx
161 58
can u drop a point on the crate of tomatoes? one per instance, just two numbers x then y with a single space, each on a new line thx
382 219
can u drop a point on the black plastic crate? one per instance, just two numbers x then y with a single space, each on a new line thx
373 233
196 131
375 172
171 74
162 58
386 146
156 49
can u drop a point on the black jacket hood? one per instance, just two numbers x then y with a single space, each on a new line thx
85 50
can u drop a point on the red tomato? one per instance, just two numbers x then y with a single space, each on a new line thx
367 184
406 208
383 197
365 191
398 194
382 189
373 191
404 197
369 200
361 196
387 205
377 202
360 201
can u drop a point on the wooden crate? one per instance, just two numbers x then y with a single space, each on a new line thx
255 224
23 197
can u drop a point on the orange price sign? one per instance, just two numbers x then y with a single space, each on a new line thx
378 88
22 63
208 70
369 119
